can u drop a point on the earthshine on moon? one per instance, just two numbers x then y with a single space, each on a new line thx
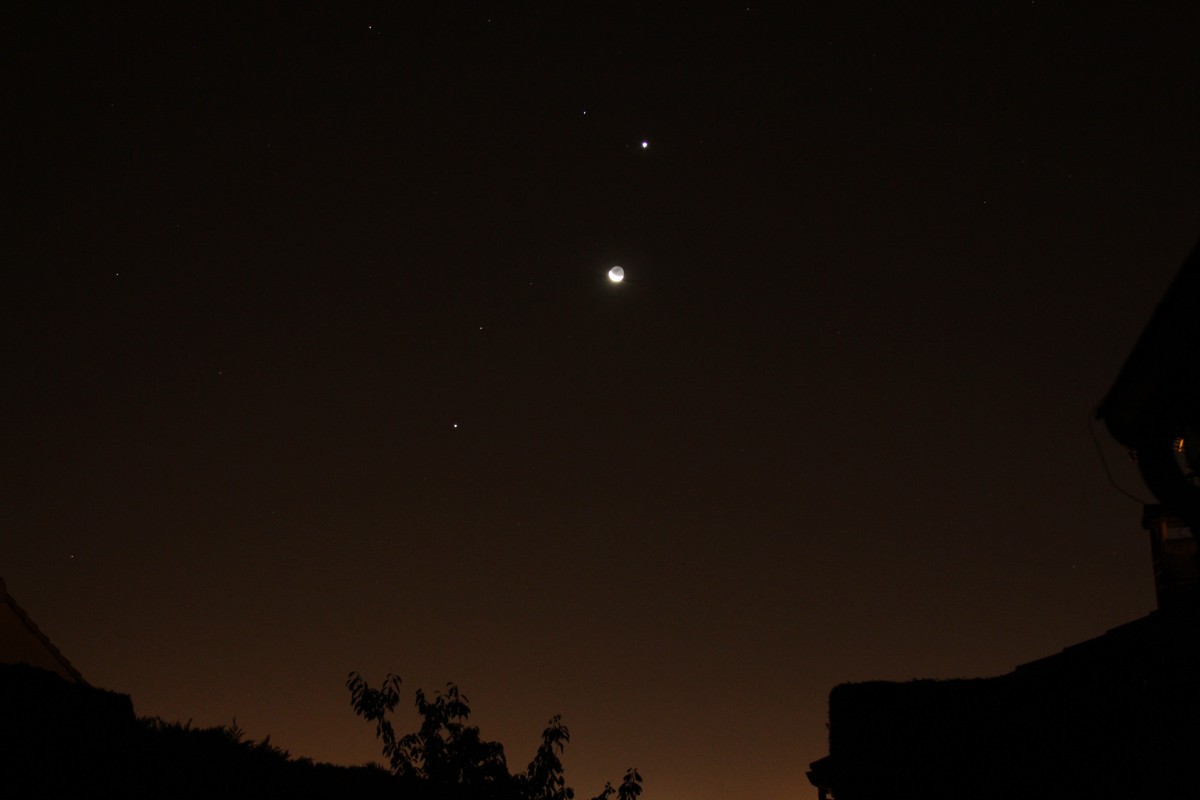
616 274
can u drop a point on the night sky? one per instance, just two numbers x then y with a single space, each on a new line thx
311 362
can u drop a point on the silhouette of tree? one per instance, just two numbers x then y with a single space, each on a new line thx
631 787
449 759
543 779
373 705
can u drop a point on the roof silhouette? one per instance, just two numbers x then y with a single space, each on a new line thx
22 641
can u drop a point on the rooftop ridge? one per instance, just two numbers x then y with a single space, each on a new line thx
25 620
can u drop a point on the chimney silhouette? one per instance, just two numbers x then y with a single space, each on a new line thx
1173 548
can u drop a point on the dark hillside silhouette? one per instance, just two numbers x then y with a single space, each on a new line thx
65 739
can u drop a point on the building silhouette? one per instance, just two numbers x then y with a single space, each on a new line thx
1114 716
